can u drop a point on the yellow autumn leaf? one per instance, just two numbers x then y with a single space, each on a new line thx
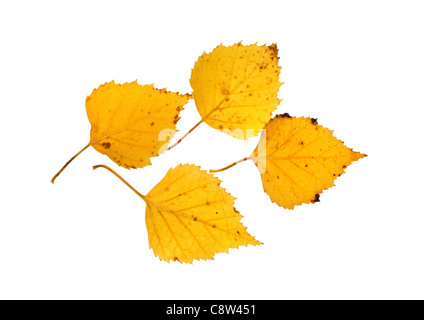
302 159
127 120
235 88
189 216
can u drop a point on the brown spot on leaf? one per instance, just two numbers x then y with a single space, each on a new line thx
314 120
224 90
274 50
176 118
152 124
316 198
106 145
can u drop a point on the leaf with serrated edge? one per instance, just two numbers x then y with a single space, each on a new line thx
189 216
302 159
236 87
126 121
131 123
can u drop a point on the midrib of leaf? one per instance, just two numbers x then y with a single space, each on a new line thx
126 127
229 94
149 198
189 217
218 107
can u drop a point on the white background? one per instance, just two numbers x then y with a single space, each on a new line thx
357 66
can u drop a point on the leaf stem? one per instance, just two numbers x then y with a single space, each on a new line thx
231 165
120 178
69 161
183 137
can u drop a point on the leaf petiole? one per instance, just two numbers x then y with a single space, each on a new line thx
184 136
69 161
231 165
120 178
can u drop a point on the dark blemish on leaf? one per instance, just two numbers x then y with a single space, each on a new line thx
278 177
314 120
106 145
175 259
224 90
301 143
208 203
220 127
195 219
176 118
238 232
274 50
285 115
214 226
178 108
306 165
216 212
316 198
344 167
250 94
152 124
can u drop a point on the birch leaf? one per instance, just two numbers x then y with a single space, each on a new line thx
189 216
235 88
126 122
302 159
